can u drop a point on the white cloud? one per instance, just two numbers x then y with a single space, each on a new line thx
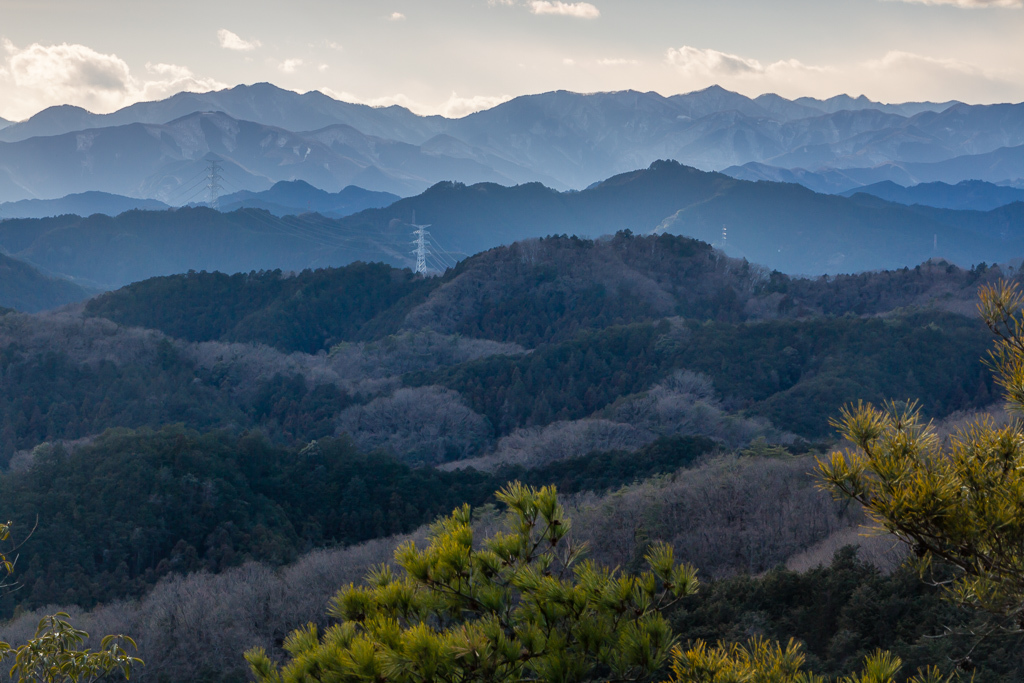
971 4
618 62
897 59
323 67
695 61
39 76
903 75
454 107
897 76
581 10
289 66
457 107
707 67
232 41
396 16
569 61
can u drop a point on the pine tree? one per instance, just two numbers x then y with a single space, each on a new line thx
522 605
959 504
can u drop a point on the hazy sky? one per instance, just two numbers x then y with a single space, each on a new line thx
455 56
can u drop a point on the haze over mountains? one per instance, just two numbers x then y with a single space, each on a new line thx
565 140
315 182
82 204
970 195
297 197
779 226
284 198
1002 166
24 288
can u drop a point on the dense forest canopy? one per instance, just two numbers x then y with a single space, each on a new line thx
204 422
133 506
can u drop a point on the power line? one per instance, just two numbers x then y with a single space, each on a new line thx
444 255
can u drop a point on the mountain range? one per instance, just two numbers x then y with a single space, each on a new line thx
1004 165
779 226
969 195
82 204
284 198
267 104
170 161
565 140
296 197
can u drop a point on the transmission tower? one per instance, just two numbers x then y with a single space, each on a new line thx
213 186
422 248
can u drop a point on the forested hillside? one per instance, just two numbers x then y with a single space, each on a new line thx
224 426
177 501
24 288
529 292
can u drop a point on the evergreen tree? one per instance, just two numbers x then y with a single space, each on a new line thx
960 504
521 605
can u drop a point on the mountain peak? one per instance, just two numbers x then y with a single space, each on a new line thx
715 90
62 110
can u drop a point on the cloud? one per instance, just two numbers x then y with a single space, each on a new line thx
289 66
39 76
232 41
935 78
569 61
897 76
454 107
457 107
707 67
580 10
896 59
396 16
695 61
971 4
618 62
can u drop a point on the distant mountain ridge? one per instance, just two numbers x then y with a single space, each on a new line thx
168 161
997 166
260 103
780 226
967 195
296 197
83 204
267 104
565 140
284 198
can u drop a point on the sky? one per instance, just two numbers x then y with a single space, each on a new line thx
453 57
